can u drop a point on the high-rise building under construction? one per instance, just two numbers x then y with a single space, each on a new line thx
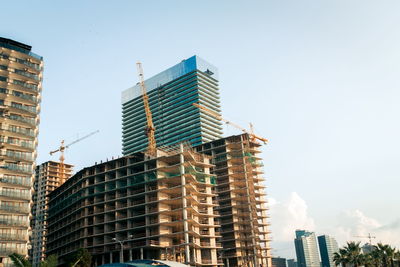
20 94
171 95
48 176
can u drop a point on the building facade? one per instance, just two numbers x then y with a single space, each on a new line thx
291 263
20 94
278 262
242 206
148 208
171 95
139 200
306 249
327 247
48 176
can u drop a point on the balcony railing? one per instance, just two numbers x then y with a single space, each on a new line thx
7 251
24 96
17 142
17 155
15 194
21 209
12 222
13 237
9 179
17 167
24 108
30 121
20 131
27 74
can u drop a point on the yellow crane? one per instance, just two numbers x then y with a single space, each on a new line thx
214 114
62 148
150 129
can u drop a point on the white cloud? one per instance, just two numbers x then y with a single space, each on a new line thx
354 223
288 216
292 214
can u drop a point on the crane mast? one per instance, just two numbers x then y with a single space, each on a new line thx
150 130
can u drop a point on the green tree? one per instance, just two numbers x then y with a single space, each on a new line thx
340 258
354 253
397 257
19 260
387 254
376 259
81 258
50 261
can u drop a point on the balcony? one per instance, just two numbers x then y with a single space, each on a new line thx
29 121
19 130
17 167
16 209
29 109
11 237
9 179
15 194
13 222
18 155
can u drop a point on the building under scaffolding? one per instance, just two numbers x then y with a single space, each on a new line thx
241 200
203 206
155 208
48 176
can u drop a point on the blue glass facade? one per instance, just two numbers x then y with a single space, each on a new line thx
171 95
327 247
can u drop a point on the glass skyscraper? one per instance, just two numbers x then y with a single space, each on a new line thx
20 94
327 247
171 95
306 249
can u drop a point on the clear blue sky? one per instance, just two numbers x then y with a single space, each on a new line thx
320 79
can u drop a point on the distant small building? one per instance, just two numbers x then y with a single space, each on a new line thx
291 263
367 248
278 262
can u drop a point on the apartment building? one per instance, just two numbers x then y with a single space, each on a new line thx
20 94
48 176
306 249
138 207
242 206
327 248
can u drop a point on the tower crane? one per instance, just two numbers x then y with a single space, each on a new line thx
251 133
150 129
369 236
62 148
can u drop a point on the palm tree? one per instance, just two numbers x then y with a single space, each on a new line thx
19 260
354 255
341 257
397 257
51 261
387 254
376 257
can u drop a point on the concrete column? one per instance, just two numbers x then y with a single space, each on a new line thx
252 226
130 255
111 257
184 205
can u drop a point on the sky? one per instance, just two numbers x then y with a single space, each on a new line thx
319 79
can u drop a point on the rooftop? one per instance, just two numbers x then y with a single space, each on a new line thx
170 74
17 46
